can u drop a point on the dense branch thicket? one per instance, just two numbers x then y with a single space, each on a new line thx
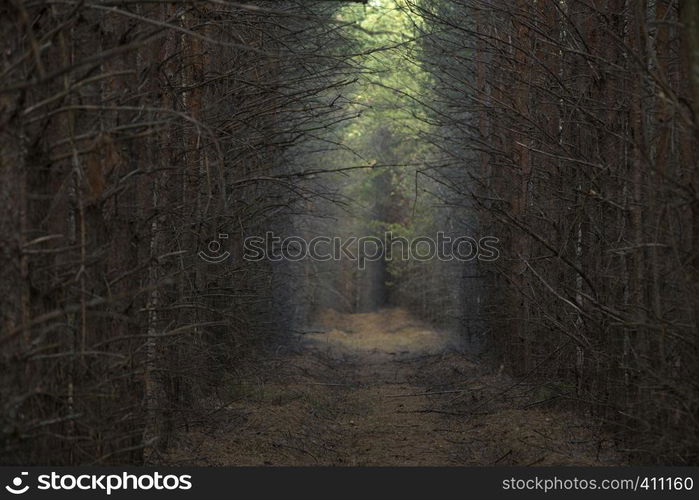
133 133
571 128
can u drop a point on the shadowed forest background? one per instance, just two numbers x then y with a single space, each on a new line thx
135 132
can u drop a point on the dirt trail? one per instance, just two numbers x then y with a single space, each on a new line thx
384 389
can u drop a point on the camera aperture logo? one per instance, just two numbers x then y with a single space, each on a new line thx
213 253
107 483
16 487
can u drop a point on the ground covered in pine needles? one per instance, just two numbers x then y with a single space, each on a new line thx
384 389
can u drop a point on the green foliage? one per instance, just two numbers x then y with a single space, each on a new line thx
389 102
392 85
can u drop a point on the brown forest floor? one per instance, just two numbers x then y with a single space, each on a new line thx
383 389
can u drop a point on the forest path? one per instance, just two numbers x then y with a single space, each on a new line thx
384 389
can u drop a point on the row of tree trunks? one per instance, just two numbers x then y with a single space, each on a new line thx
586 144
